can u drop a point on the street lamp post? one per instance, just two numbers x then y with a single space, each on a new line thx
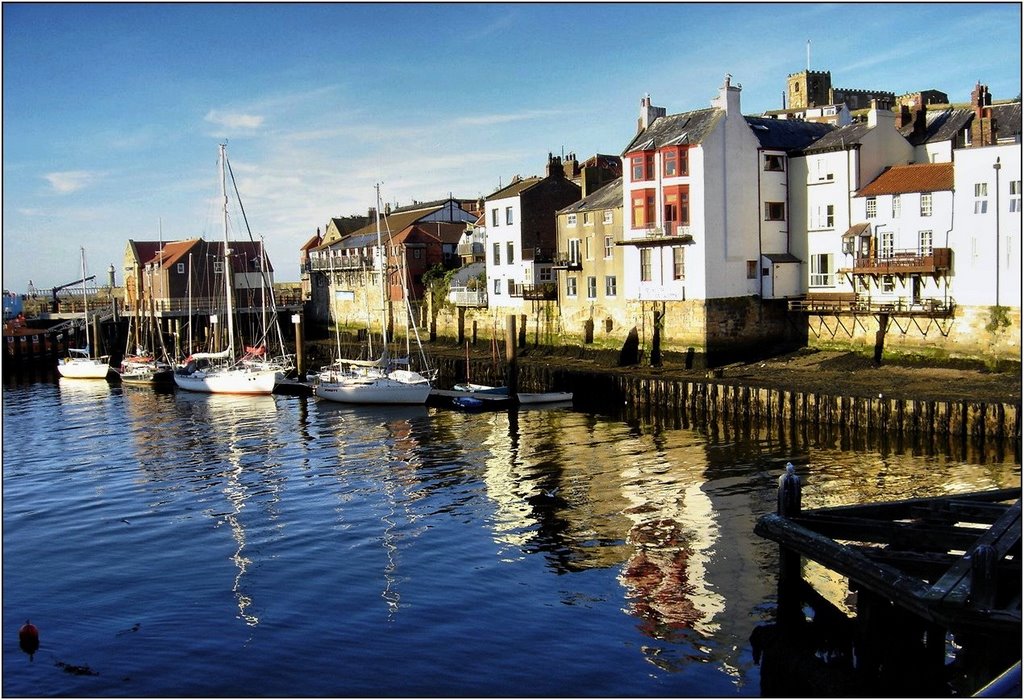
996 166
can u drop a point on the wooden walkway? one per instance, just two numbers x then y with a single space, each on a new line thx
926 572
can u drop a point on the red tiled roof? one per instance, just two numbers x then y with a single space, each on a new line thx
900 179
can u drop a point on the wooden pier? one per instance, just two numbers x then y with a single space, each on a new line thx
934 579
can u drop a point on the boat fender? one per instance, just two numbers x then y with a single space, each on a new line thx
28 639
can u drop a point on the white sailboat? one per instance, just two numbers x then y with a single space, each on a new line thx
386 380
222 372
80 364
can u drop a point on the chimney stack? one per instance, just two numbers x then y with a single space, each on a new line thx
982 126
648 113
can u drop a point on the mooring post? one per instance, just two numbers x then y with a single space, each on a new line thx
512 380
789 560
300 360
983 577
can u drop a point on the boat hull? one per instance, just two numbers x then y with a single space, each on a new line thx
230 381
79 368
380 390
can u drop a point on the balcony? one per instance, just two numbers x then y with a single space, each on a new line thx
461 296
564 261
473 249
545 291
346 262
672 233
904 262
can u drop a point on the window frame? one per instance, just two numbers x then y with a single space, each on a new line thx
646 265
678 262
610 286
497 252
774 159
591 287
871 207
508 216
927 205
774 211
571 289
510 253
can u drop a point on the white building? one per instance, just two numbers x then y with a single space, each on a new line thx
897 252
824 181
986 236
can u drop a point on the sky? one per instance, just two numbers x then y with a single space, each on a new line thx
113 112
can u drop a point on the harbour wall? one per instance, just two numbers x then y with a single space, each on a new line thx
695 403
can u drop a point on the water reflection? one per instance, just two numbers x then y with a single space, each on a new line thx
236 433
381 444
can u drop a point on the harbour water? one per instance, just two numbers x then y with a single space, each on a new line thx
175 544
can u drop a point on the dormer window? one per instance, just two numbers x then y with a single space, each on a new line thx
674 161
642 166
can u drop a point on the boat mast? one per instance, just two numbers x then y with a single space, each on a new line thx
85 302
188 350
227 252
383 277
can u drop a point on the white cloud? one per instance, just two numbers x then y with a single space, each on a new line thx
70 181
234 120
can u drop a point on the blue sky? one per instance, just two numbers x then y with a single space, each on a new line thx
112 113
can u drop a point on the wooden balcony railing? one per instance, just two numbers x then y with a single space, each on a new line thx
904 262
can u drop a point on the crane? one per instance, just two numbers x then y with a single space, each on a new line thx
55 305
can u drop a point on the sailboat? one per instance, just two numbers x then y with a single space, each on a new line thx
144 363
223 372
80 364
385 380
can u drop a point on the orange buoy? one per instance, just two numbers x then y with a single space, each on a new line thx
28 638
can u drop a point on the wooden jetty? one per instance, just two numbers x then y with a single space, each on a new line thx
933 579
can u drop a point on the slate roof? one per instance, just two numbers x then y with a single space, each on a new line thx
1008 119
787 134
394 222
446 231
514 189
940 125
689 128
781 257
608 197
921 177
838 139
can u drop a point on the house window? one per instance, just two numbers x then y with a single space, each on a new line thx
774 163
823 174
980 197
924 242
497 287
574 251
821 270
508 215
608 247
570 286
677 209
896 205
678 263
926 204
886 244
608 216
675 161
218 266
497 252
643 208
645 264
417 253
181 268
642 166
824 217
494 216
570 220
610 288
871 207
544 274
586 219
830 218
591 288
587 254
774 211
888 284
1015 195
508 253
751 269
511 287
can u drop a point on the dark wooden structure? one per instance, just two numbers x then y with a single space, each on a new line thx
937 586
